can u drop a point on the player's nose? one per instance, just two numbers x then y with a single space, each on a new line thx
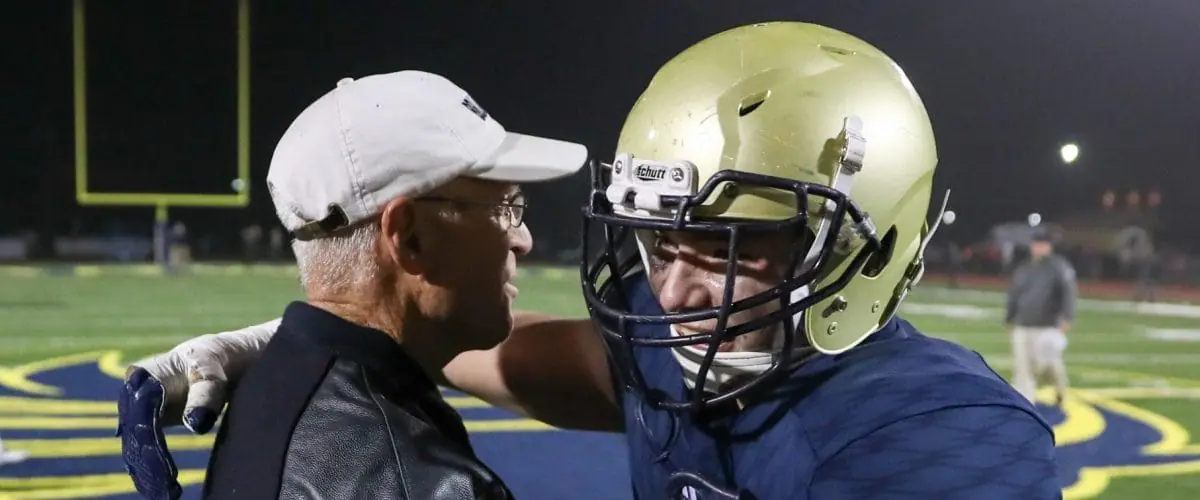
682 288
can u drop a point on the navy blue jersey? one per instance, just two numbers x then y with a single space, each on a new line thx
902 416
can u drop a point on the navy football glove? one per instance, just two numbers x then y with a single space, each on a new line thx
140 406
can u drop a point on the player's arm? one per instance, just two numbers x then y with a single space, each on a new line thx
969 452
550 369
194 374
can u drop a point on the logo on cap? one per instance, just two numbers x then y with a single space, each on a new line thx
478 111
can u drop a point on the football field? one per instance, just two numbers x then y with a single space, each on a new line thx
67 332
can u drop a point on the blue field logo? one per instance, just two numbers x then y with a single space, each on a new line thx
61 411
1102 437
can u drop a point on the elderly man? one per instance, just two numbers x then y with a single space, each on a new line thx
1041 307
402 195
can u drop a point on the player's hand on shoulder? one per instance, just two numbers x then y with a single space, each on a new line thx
184 385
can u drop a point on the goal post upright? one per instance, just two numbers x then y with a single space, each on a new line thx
162 202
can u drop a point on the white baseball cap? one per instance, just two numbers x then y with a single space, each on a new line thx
373 139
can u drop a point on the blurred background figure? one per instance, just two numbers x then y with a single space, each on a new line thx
1041 307
1140 260
180 252
251 242
275 244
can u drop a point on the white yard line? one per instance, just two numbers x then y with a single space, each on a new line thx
1144 392
1157 336
978 297
1112 359
999 334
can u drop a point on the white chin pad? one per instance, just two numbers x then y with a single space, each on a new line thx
730 365
726 366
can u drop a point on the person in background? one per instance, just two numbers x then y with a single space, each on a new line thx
1042 299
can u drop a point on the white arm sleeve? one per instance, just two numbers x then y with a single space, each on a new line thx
196 372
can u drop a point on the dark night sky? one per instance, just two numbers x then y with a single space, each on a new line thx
1005 83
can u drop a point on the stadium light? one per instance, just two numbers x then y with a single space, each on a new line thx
1069 153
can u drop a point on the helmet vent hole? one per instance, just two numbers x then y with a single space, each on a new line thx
877 262
752 102
837 50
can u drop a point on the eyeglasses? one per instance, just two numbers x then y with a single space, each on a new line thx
511 210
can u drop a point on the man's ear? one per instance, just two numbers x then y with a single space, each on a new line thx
400 235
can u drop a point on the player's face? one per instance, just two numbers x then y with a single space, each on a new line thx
471 248
687 272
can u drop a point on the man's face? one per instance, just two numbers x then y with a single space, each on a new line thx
687 272
1039 249
467 249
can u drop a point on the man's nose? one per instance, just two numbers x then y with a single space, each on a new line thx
683 288
521 239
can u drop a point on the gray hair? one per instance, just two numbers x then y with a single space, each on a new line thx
338 263
344 262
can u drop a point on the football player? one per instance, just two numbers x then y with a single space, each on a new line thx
763 219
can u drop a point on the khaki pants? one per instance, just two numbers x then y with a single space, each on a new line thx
1037 356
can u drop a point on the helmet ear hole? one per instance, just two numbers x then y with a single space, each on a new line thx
877 262
752 102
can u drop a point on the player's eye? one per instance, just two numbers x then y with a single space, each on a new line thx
723 254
